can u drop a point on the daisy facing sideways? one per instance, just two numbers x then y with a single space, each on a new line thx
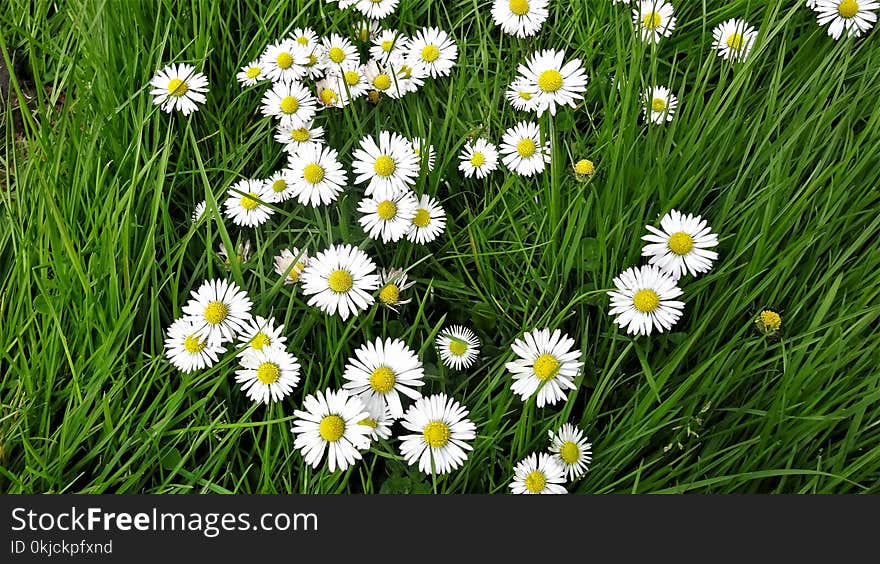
219 310
330 422
522 151
680 246
267 375
546 366
179 88
458 347
186 350
290 264
381 371
441 429
571 450
854 17
522 18
245 205
478 158
734 39
340 279
388 219
392 284
379 421
645 300
389 166
554 82
538 474
429 221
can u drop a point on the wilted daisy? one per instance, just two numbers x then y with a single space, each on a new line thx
556 82
655 19
187 350
538 474
290 264
645 299
179 87
267 375
546 365
241 255
478 158
317 175
282 62
199 211
392 283
681 246
260 334
442 427
458 347
734 39
245 203
251 74
350 77
337 51
388 219
279 186
388 43
571 450
522 95
432 49
366 30
379 421
522 151
330 423
584 168
340 279
219 310
391 166
294 138
290 103
428 222
376 9
380 372
660 104
330 95
428 157
846 15
522 18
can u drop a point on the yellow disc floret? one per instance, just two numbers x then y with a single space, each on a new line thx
735 41
284 60
260 340
569 452
340 281
289 105
477 159
390 294
584 167
253 72
430 53
250 201
526 148
550 80
177 87
646 300
680 243
386 210
336 54
382 380
848 8
384 165
193 344
268 373
300 135
422 218
458 348
331 428
658 104
313 173
546 367
436 434
535 481
382 82
519 7
216 312
652 20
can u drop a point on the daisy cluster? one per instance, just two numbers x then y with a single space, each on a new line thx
568 458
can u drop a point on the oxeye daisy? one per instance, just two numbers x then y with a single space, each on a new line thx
392 283
441 430
366 30
429 155
330 96
555 82
199 211
187 350
179 88
376 9
645 299
458 347
267 375
251 74
380 372
734 39
219 310
279 186
282 62
388 43
245 204
290 103
522 18
379 421
340 279
655 19
432 49
854 17
241 255
388 218
584 168
681 246
350 77
294 138
478 158
390 166
337 51
546 365
317 174
660 105
260 334
290 264
330 423
428 222
571 450
768 322
538 474
522 151
522 95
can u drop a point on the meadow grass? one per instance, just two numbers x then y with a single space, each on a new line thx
780 154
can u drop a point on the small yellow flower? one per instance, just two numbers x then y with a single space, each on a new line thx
768 322
584 168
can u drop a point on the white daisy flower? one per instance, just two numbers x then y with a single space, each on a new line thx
366 30
260 334
659 106
290 103
294 138
432 49
350 77
318 176
538 474
522 151
392 283
380 372
388 43
330 423
304 37
219 310
338 50
383 79
340 279
379 421
846 15
681 246
522 95
391 166
546 365
241 255
734 39
388 218
428 222
291 263
267 375
458 347
245 203
478 158
376 9
179 88
644 299
251 74
187 350
329 96
283 62
199 211
522 18
314 57
442 429
409 78
555 82
655 19
417 143
571 450
279 186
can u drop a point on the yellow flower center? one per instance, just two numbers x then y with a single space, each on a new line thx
550 80
422 218
313 60
386 210
382 82
770 320
260 340
535 481
430 53
365 32
546 367
680 243
216 312
336 54
331 428
458 348
658 104
735 41
525 94
193 344
328 97
382 380
384 166
268 373
369 422
477 159
406 71
284 60
652 20
313 173
249 201
294 272
387 45
302 40
519 7
289 105
436 434
340 281
646 300
177 87
584 167
569 452
253 72
352 78
526 148
279 185
300 135
848 8
390 294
